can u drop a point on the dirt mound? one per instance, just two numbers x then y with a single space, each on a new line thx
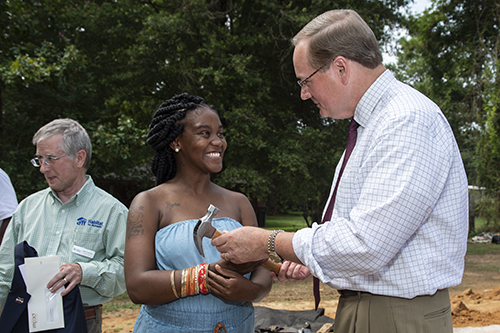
476 309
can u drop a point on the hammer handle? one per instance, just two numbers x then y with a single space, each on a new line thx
272 266
217 233
268 264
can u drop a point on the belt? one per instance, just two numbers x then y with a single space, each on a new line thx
347 293
91 312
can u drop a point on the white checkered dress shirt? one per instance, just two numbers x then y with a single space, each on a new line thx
400 221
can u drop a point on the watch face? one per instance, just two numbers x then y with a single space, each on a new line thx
274 257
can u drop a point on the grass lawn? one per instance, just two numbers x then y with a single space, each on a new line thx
290 222
483 248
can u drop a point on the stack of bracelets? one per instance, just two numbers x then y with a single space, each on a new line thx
193 281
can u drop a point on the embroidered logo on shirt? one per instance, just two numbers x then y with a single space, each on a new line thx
94 223
91 223
81 221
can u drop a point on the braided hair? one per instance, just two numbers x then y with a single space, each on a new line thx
163 130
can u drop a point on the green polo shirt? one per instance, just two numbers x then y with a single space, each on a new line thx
89 230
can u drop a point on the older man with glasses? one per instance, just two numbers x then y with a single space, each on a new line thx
72 218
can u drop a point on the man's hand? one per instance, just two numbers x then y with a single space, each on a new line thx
242 245
290 270
69 275
240 268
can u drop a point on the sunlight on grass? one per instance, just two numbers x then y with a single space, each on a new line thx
289 222
120 302
488 268
482 268
483 248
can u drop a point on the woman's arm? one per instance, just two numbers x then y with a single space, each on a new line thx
146 284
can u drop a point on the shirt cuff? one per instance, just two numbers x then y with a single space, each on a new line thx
89 274
302 245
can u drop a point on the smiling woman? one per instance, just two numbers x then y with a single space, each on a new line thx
163 268
167 125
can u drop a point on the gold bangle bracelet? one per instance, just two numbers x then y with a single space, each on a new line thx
183 283
196 281
172 283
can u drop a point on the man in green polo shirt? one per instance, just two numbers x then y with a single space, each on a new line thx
72 218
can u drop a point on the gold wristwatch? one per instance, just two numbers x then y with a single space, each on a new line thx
271 249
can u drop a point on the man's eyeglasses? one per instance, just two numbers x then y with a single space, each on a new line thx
303 83
50 160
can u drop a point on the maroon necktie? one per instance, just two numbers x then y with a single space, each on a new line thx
351 141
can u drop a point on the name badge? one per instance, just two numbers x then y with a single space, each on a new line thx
83 251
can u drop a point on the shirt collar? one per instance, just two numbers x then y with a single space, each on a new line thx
371 97
80 196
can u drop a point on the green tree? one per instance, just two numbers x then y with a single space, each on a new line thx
62 59
109 64
237 54
452 56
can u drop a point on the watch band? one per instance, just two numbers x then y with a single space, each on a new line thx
270 244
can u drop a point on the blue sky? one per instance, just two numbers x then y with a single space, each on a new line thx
419 5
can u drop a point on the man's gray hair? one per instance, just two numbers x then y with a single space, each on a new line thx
336 33
74 137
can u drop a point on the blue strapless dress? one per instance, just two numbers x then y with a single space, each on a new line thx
175 249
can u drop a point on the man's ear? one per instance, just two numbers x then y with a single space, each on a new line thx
81 157
341 66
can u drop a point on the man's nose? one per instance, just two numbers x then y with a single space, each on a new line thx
305 94
43 166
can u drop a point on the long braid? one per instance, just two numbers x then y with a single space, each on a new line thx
163 130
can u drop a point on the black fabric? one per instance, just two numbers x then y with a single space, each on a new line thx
271 320
16 304
14 318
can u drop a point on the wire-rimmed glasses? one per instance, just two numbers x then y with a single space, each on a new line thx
302 83
50 160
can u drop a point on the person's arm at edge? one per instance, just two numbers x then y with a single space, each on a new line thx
7 262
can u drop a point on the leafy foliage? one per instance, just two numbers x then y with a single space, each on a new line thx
452 56
109 64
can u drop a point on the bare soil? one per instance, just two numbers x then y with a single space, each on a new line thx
475 302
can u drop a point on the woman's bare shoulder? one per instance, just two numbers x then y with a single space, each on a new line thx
230 193
152 196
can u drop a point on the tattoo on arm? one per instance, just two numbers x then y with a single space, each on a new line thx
134 225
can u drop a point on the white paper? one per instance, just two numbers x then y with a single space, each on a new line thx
45 309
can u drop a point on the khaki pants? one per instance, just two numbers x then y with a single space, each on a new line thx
368 313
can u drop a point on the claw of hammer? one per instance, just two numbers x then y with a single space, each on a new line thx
204 228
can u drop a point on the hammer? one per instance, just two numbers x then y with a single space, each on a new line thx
204 228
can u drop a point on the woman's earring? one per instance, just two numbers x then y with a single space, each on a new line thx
177 150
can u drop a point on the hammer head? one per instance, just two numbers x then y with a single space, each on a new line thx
204 228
